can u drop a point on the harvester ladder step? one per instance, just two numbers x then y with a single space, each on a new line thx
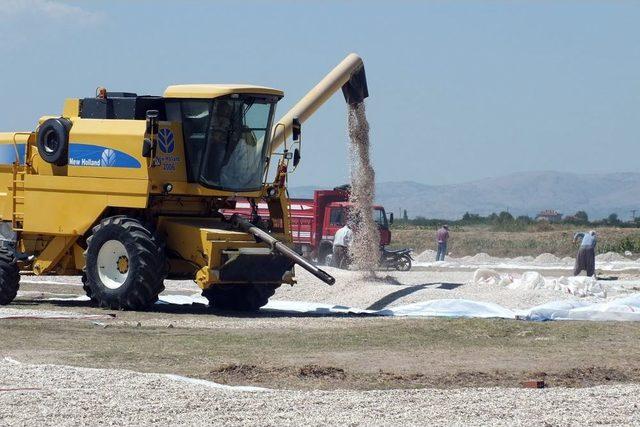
19 173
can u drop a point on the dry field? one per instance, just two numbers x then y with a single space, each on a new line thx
475 239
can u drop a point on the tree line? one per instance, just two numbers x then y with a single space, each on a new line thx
506 222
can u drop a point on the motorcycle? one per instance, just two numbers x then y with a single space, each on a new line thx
400 259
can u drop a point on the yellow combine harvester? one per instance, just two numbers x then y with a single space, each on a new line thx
127 190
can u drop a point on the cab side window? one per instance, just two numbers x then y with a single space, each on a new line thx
337 217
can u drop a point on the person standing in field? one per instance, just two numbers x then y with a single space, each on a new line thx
442 236
586 258
341 242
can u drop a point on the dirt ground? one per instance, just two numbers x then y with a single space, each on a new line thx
288 351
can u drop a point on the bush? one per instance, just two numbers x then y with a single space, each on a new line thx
625 244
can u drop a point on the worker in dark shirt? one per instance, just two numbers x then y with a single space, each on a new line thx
442 236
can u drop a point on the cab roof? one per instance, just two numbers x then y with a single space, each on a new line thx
216 90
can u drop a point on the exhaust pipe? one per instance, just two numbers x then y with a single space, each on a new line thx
348 75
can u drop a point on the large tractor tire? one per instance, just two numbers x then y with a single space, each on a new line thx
239 297
9 276
125 265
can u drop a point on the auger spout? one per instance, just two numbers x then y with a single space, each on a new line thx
349 75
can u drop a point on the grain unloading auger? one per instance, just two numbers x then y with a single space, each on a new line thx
127 190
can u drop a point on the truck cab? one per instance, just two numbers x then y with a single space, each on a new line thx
335 216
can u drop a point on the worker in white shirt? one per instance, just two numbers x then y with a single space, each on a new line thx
341 242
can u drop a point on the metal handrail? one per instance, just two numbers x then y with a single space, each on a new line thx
15 146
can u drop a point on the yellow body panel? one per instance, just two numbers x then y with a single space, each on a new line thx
64 206
54 252
210 91
207 244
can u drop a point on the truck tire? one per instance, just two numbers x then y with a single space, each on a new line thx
53 141
239 297
9 276
125 265
325 249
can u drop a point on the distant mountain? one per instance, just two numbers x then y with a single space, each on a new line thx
524 193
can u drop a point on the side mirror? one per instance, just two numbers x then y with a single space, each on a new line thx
390 218
147 148
296 157
152 122
296 129
151 131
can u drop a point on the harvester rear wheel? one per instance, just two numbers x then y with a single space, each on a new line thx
9 276
239 297
125 265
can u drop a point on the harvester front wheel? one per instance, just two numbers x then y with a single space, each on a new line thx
239 297
124 265
9 276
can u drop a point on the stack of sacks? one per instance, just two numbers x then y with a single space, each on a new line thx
580 286
487 276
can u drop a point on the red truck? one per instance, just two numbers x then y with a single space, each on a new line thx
315 221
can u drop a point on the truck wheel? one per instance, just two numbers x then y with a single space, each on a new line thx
125 265
403 263
9 276
325 249
239 297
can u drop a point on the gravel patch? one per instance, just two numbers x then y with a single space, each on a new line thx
61 396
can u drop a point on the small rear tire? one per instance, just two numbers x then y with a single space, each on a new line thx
239 297
125 265
403 263
9 276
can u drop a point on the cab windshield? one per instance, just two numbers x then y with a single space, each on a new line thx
226 139
338 216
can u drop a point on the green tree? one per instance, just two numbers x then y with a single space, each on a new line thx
524 219
582 217
613 219
505 217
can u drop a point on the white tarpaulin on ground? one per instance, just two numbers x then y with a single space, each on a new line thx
450 308
624 308
627 308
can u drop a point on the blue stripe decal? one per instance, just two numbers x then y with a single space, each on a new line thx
8 153
98 156
79 155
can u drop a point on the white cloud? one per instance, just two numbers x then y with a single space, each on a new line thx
18 10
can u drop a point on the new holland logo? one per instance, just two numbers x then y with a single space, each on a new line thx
108 157
166 140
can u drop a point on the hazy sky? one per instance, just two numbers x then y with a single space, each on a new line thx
459 90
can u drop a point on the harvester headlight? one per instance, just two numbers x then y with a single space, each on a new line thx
167 187
271 192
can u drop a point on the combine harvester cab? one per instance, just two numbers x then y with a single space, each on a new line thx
127 190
